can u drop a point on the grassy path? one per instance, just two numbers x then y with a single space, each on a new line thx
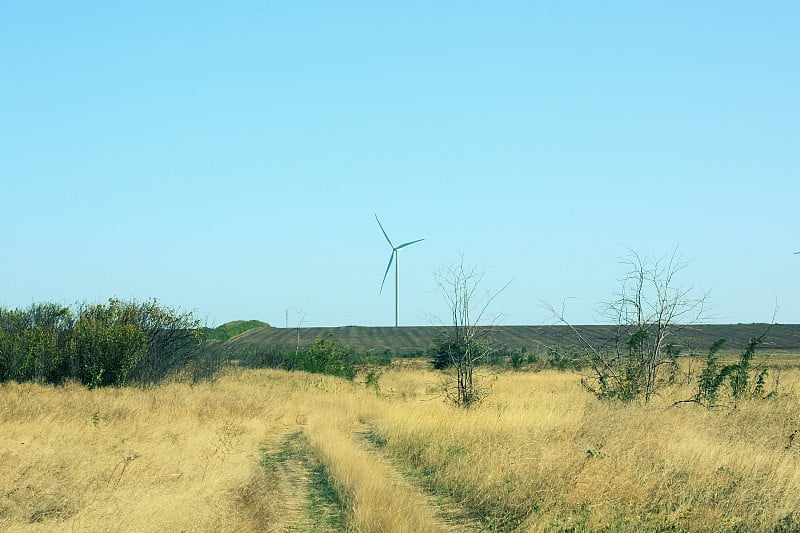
311 504
378 497
451 514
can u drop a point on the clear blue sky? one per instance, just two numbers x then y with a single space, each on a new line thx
228 157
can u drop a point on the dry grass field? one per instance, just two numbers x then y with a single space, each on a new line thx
267 450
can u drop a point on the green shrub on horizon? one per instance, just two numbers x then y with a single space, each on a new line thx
231 329
325 356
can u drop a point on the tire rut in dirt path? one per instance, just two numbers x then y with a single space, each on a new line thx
453 516
312 505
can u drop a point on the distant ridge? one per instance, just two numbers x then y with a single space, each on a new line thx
231 329
415 340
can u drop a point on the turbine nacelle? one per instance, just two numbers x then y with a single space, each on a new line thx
391 258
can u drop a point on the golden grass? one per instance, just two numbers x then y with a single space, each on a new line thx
379 498
541 454
170 458
538 454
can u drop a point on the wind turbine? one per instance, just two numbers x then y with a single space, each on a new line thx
396 258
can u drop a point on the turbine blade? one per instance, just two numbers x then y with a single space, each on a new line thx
391 258
408 244
384 231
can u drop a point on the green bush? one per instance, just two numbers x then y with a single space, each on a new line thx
516 359
113 343
325 356
174 338
33 343
447 349
739 376
104 351
565 362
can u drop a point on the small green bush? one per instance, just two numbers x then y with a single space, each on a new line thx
103 352
447 349
565 361
739 376
325 356
33 343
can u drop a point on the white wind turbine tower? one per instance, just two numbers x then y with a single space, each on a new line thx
396 258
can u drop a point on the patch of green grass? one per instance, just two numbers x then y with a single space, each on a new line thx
324 502
323 508
450 503
267 460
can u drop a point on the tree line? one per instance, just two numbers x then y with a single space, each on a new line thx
120 343
113 343
126 342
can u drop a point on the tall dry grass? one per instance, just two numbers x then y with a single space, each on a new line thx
378 497
541 454
538 454
170 458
